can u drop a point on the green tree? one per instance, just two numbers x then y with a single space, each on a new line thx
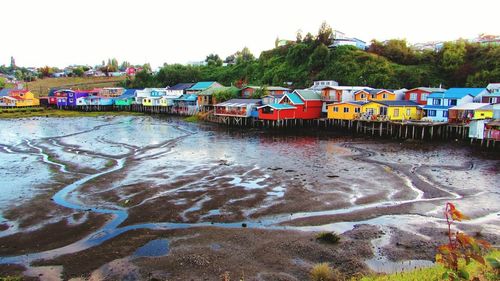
213 60
78 71
319 58
325 34
244 56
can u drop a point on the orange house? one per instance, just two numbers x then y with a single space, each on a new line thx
374 95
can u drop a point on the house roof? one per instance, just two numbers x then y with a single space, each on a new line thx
5 92
308 94
239 102
493 94
352 88
200 86
278 106
469 106
294 98
187 98
270 88
181 86
458 93
129 93
397 103
429 90
358 103
493 86
436 107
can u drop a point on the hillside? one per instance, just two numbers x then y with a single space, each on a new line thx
391 64
41 86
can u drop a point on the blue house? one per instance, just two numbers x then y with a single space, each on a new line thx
202 86
438 104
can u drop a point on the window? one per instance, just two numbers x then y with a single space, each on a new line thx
413 96
335 109
431 113
384 96
396 112
70 100
357 110
370 111
453 102
436 102
362 96
373 96
493 100
424 96
346 109
445 113
408 112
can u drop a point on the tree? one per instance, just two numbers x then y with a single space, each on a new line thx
78 71
319 58
147 67
213 60
2 83
244 56
298 36
453 55
325 34
124 66
45 71
231 59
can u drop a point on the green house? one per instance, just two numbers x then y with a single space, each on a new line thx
126 99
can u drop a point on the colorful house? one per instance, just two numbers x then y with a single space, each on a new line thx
201 86
72 96
237 107
149 96
399 110
465 112
301 104
268 99
492 95
179 89
374 95
126 99
6 101
111 92
420 94
206 98
24 98
348 110
249 91
438 104
186 104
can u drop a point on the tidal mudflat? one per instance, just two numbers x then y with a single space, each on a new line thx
138 197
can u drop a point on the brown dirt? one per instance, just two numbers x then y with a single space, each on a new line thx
50 236
14 270
206 253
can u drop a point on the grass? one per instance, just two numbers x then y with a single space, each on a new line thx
41 87
436 272
48 112
323 272
193 118
328 237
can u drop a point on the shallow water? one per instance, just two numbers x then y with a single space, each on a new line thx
208 173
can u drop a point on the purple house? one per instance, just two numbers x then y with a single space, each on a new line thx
73 96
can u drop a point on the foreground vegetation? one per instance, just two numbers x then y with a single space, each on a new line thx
48 112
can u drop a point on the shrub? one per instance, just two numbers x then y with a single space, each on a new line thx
328 237
321 272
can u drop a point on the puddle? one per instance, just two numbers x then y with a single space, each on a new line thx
154 248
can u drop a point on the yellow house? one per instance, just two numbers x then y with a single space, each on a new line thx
392 110
148 101
485 112
375 94
344 110
24 98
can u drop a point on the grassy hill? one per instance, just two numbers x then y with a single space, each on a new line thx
41 86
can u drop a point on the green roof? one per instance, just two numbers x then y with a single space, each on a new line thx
308 94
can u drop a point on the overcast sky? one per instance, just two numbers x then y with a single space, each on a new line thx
63 32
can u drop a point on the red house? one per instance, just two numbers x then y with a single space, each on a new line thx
300 104
419 95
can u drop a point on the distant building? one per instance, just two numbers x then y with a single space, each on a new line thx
341 39
320 85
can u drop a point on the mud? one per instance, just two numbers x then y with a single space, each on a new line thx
244 202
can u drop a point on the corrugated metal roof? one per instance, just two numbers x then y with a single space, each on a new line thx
469 106
308 94
187 98
294 98
181 86
458 93
397 103
239 102
200 86
278 106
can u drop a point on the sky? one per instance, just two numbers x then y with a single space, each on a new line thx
65 32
